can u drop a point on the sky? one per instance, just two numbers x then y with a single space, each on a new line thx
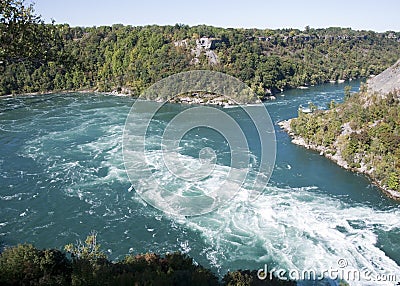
376 15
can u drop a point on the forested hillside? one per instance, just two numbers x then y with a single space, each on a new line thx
44 57
363 133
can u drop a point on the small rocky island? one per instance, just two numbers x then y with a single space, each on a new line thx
204 99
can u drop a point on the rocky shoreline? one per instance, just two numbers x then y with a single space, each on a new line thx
336 157
195 98
204 99
210 99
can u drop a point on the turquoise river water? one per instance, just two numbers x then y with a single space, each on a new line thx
62 175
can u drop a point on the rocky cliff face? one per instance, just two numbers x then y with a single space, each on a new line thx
387 81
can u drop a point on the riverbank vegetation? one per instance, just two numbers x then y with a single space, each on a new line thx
363 134
38 57
86 264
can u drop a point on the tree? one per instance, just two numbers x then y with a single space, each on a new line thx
347 92
312 106
394 181
332 104
26 265
89 250
23 34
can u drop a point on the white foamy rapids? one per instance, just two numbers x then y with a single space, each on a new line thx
169 189
297 229
81 164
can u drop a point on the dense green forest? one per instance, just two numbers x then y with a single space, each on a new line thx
86 264
39 57
364 131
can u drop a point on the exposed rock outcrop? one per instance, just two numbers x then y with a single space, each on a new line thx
205 45
387 81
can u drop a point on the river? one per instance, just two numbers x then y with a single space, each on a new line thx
62 175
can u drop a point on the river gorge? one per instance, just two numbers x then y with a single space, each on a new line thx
63 175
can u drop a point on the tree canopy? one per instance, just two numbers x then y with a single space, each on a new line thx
88 265
38 57
23 35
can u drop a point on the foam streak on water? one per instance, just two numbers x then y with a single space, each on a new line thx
295 228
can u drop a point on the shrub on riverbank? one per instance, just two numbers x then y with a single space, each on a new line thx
26 265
